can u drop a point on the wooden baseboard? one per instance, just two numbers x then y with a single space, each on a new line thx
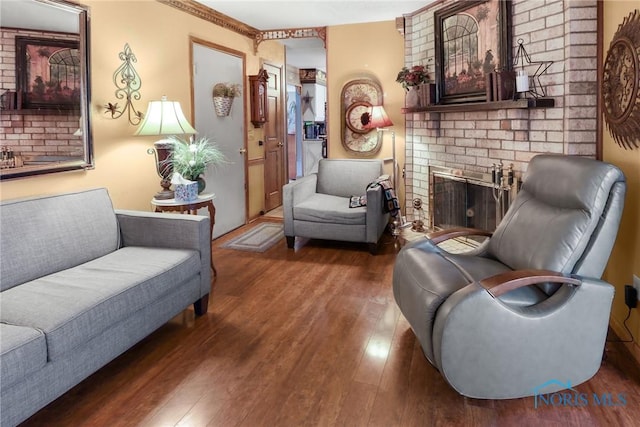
621 332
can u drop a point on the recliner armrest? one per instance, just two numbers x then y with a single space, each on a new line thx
450 233
502 283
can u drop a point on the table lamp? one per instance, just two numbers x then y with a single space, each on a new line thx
164 118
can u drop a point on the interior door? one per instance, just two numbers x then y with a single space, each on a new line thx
274 157
213 64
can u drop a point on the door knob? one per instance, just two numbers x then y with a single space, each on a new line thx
280 144
243 150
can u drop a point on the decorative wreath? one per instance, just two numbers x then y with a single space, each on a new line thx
621 83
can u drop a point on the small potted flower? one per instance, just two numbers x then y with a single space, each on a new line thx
417 81
223 94
191 158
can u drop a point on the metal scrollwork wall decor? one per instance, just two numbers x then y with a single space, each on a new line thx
128 83
621 83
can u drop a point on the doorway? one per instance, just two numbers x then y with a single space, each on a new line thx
212 64
274 137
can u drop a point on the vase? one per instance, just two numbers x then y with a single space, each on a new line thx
222 105
412 99
201 184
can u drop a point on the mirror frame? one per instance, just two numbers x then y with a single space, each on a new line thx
87 161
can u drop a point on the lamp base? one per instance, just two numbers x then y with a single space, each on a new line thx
164 195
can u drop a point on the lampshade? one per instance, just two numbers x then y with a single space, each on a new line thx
378 118
165 118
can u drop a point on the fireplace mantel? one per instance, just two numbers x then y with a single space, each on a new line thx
485 106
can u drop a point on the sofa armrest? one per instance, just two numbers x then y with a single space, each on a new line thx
292 194
166 230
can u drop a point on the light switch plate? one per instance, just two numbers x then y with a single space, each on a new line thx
636 284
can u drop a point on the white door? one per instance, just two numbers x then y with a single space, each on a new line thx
211 66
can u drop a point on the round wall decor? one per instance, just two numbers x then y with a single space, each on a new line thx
358 96
621 83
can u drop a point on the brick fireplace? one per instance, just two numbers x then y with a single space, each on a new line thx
472 141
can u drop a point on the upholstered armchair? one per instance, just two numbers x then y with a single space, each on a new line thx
317 205
526 312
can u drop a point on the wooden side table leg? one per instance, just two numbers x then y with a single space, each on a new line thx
212 216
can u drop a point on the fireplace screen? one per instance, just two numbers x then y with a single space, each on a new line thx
457 202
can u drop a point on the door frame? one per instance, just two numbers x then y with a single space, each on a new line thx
284 173
196 40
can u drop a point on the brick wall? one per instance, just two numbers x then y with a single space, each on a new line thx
552 30
34 133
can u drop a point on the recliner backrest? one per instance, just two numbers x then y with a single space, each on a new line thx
565 217
347 177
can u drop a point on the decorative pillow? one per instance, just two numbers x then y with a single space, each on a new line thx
357 201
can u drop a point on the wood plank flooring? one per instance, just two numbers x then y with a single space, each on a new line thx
306 338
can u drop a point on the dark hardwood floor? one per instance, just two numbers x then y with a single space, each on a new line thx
306 338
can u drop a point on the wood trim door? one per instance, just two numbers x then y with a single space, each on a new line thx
274 134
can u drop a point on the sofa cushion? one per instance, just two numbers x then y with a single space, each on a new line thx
23 350
74 305
329 209
45 235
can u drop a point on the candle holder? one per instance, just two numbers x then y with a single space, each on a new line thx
528 83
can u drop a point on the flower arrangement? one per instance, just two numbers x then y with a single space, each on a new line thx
190 158
227 90
414 76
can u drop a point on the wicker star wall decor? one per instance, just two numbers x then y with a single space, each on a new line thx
621 83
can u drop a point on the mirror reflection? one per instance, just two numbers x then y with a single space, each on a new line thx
43 90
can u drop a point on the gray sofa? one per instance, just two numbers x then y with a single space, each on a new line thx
317 205
81 283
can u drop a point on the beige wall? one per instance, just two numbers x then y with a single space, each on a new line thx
625 260
373 50
159 37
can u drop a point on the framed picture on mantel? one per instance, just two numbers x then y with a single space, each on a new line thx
472 39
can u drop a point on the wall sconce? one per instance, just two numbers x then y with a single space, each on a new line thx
128 85
164 118
525 83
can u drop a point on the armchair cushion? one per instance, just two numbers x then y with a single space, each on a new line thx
346 177
325 208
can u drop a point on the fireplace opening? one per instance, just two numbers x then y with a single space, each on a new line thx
459 200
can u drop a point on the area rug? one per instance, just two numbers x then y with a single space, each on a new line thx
258 239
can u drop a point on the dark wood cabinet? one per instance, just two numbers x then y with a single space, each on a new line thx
258 95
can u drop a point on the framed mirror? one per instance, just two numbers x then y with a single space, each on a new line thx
44 93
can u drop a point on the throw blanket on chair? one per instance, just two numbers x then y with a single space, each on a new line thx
390 201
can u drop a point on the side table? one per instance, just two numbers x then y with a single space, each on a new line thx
203 201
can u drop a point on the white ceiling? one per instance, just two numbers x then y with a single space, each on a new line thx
310 53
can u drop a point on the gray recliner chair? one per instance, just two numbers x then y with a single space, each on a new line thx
317 205
526 313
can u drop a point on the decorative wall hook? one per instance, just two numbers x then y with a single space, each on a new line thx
128 85
529 83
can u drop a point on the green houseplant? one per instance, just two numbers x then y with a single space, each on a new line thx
190 158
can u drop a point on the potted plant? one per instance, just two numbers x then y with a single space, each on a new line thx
190 158
223 94
417 81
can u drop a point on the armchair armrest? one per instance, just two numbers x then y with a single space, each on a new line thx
450 233
292 194
376 217
502 283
